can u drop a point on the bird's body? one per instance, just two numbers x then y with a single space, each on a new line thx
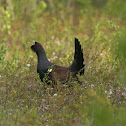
54 72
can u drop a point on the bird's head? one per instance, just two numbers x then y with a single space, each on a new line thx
37 47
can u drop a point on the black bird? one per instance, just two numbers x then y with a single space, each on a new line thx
54 72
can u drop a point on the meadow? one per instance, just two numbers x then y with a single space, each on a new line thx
100 27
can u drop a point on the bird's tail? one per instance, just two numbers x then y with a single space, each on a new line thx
77 66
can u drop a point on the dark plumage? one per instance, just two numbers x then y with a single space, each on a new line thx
54 72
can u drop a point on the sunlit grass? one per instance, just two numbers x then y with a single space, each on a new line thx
25 100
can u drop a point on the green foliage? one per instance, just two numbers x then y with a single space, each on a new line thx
3 52
5 22
118 9
100 100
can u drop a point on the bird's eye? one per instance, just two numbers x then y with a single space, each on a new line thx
37 44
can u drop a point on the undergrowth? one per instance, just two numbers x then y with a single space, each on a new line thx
25 100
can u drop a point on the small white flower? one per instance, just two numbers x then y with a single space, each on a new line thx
92 85
55 95
0 76
28 65
49 70
31 56
101 54
123 93
110 91
105 92
52 37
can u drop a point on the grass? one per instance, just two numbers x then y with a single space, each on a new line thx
25 100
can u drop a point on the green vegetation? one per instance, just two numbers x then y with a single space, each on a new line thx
100 25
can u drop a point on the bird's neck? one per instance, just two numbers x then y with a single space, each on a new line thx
43 62
41 57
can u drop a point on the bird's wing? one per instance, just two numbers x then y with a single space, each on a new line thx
60 73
